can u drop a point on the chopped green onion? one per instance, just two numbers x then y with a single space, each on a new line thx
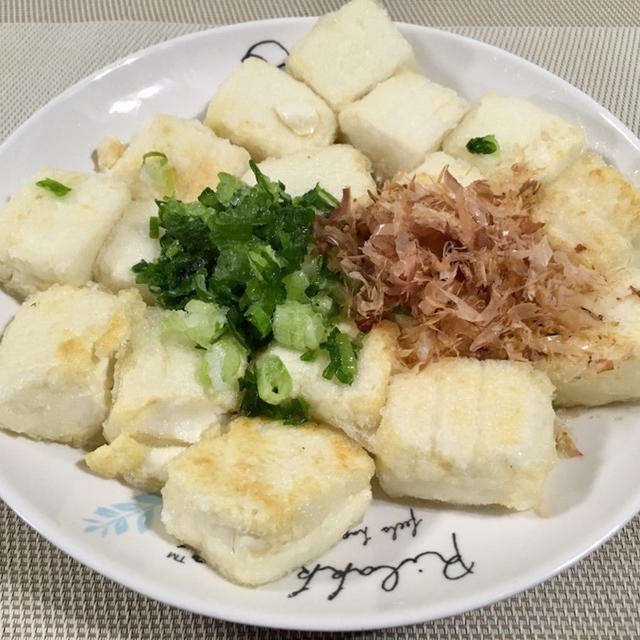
358 341
309 356
323 303
229 189
312 268
260 319
154 227
296 284
157 172
263 259
204 323
223 364
274 189
201 322
298 326
485 145
155 154
249 250
173 249
293 411
57 188
273 380
318 198
343 357
200 287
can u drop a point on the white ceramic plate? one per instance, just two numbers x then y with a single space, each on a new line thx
407 562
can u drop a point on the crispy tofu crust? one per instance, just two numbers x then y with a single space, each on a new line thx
140 465
353 408
56 360
468 432
541 143
157 391
264 497
348 52
401 120
194 153
592 213
37 248
265 110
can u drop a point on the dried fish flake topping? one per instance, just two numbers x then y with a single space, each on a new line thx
463 270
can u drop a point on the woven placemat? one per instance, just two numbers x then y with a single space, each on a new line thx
511 13
46 594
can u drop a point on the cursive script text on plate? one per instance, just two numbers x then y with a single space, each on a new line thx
453 567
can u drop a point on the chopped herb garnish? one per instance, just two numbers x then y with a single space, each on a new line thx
250 251
298 326
155 154
293 411
485 145
223 364
201 322
154 227
156 171
57 188
309 356
274 381
343 356
236 246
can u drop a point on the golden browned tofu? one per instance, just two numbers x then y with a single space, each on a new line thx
354 408
334 168
56 358
610 370
538 140
270 113
139 464
433 164
265 498
158 391
46 238
400 121
468 432
349 51
194 158
109 152
126 245
592 213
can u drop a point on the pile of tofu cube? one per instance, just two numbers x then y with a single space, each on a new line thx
85 359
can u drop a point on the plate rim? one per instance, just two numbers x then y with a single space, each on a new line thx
144 586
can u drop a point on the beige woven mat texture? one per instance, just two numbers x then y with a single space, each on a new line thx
46 45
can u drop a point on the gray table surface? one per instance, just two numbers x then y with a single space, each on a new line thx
47 45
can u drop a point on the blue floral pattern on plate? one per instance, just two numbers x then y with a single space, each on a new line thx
116 517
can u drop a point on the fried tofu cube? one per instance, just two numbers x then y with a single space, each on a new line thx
270 113
354 408
401 120
537 140
592 213
610 370
47 238
434 163
109 151
468 432
349 51
126 245
265 498
195 157
158 391
56 358
334 168
139 464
